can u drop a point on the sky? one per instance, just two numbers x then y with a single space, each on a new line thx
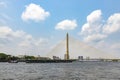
34 27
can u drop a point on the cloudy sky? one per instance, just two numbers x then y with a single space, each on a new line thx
33 27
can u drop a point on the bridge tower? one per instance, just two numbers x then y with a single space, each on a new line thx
67 47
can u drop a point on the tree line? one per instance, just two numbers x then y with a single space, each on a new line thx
5 57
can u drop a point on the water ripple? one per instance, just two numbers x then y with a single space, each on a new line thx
60 71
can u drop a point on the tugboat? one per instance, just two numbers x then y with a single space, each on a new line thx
13 61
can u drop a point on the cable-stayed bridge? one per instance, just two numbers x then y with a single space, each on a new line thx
78 48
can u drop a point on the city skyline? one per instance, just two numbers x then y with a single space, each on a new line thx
32 26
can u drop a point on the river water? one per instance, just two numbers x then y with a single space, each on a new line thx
60 71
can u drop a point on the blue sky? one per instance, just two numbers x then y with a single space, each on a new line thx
96 23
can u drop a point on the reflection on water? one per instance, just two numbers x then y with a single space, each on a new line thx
60 71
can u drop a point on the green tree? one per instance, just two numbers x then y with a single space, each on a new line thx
3 57
29 57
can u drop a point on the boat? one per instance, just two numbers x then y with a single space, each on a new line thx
13 61
49 61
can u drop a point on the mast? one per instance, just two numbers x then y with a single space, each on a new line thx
67 47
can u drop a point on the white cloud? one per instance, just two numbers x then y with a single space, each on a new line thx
34 12
89 29
96 30
20 43
98 33
113 24
66 25
94 16
93 23
92 28
8 33
30 41
94 38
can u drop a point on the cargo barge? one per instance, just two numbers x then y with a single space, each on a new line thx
49 61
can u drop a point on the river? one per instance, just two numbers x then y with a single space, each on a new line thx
60 71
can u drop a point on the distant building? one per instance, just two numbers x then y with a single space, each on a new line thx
80 57
56 58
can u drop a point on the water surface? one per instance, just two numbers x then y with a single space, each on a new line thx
60 71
